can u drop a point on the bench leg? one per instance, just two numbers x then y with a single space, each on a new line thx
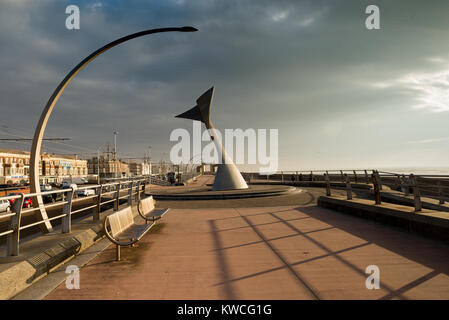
117 252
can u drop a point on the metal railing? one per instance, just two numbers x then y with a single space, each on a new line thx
113 192
356 175
427 185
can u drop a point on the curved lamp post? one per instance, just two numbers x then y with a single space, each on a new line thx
40 128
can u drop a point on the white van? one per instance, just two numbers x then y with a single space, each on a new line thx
5 206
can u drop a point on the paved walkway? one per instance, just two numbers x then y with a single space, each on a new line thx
284 252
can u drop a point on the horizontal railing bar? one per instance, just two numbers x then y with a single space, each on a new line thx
107 193
40 222
105 202
27 210
55 204
84 198
7 215
83 209
6 233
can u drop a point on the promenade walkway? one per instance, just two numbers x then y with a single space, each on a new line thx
278 252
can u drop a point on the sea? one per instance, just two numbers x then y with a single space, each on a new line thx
417 170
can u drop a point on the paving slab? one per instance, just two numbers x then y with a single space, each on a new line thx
278 252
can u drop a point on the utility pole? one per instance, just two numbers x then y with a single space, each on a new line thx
115 153
98 165
149 159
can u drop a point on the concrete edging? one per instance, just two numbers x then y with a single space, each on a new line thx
20 276
401 217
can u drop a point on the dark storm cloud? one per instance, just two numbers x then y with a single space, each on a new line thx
305 67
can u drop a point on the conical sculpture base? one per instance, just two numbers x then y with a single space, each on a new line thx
228 177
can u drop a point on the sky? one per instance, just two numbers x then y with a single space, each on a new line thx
340 95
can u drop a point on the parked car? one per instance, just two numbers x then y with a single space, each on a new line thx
52 198
55 185
5 206
86 192
46 187
27 203
66 185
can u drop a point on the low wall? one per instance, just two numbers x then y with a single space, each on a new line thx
428 223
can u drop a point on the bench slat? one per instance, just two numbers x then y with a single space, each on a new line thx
147 204
135 232
120 221
115 225
157 214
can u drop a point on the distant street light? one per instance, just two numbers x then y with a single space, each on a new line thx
41 125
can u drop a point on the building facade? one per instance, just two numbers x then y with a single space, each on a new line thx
107 168
56 168
15 167
139 168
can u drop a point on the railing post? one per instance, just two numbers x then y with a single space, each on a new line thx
355 176
67 210
117 196
416 194
138 191
311 175
399 181
377 197
440 192
379 180
282 176
96 215
130 193
348 187
13 239
144 187
366 177
297 176
327 174
328 184
405 183
342 176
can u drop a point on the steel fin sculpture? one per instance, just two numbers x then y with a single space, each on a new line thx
228 177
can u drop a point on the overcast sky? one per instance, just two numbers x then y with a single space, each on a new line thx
341 96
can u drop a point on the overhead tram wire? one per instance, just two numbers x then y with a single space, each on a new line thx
46 140
58 150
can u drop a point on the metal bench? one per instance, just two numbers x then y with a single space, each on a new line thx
147 212
121 230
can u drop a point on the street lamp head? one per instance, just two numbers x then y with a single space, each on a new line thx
188 29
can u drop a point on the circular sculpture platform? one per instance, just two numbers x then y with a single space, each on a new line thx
206 193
